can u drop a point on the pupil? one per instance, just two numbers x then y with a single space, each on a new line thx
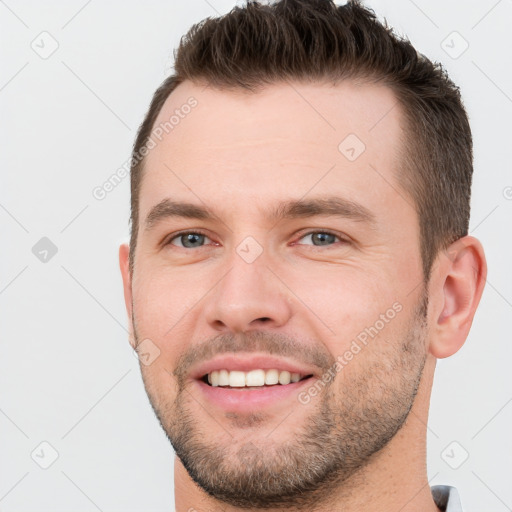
191 238
323 237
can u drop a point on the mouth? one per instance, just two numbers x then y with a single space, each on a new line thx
253 379
242 392
250 382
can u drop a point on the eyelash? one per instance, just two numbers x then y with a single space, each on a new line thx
200 232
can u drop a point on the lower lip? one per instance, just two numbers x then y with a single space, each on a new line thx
245 399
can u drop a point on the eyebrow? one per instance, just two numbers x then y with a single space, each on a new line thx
285 210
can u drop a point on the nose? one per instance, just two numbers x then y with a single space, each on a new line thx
249 296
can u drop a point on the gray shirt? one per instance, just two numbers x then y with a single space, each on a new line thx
446 498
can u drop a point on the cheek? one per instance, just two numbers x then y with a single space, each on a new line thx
159 311
346 299
161 299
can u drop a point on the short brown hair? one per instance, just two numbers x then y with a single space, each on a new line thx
316 40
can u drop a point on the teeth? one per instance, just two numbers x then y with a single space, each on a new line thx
271 377
223 378
285 377
253 378
236 379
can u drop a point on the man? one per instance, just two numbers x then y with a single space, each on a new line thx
299 259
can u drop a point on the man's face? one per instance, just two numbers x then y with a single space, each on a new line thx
334 295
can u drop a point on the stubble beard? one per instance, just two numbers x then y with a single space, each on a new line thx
346 426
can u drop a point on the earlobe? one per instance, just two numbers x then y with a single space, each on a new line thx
462 272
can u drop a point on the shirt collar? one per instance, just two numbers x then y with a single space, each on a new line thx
446 498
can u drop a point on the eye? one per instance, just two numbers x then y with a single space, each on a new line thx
196 239
188 239
322 238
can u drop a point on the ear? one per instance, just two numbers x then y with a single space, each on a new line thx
124 261
456 290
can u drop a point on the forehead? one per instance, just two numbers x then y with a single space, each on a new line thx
282 142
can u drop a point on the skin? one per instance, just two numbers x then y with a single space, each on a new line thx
239 155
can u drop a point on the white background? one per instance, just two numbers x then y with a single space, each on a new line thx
67 373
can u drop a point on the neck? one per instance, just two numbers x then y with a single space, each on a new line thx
394 479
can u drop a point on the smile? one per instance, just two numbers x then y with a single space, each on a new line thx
251 379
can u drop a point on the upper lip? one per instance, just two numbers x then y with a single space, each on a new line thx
247 363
